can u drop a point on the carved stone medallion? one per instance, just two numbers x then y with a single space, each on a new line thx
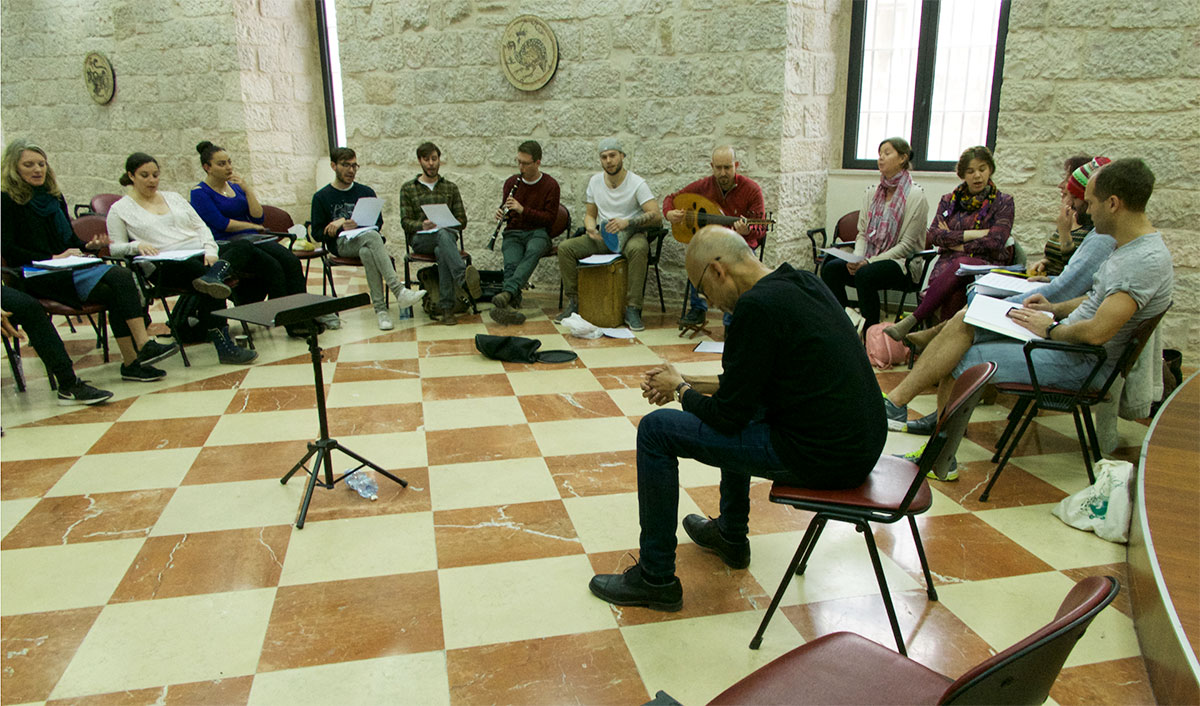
99 78
528 53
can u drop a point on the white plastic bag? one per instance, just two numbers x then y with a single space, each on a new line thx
579 327
1103 508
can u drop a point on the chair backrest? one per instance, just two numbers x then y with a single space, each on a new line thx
1129 354
102 202
846 229
1024 673
276 219
952 422
562 222
89 226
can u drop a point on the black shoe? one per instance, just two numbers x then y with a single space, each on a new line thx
139 372
695 317
630 588
82 393
704 533
923 426
228 352
154 351
212 282
897 415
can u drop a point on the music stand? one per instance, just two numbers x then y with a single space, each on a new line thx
298 309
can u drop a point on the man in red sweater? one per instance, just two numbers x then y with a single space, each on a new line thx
531 202
737 196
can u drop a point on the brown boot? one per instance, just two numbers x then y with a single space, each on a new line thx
448 317
919 339
898 331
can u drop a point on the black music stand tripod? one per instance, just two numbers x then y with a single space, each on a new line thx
299 309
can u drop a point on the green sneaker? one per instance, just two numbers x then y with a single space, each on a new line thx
914 457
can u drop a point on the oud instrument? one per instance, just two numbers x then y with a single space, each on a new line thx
699 212
503 214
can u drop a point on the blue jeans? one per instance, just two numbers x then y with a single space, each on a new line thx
665 436
522 249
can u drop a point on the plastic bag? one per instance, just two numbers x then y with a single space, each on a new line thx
581 328
1104 507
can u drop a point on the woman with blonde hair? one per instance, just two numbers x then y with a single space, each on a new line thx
34 225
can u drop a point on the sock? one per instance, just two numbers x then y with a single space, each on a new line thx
658 580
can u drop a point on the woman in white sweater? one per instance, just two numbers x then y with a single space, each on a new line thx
149 222
891 226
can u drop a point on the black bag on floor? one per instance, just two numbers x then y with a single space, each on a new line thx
516 349
185 321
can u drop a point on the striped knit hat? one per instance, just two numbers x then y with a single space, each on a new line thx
1078 180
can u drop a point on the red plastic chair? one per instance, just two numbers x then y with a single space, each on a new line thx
845 668
895 490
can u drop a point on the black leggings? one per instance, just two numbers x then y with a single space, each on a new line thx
119 292
174 274
272 266
28 313
868 282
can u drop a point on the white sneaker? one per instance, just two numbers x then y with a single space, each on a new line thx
385 321
408 297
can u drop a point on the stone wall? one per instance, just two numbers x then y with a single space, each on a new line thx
671 78
1113 77
244 74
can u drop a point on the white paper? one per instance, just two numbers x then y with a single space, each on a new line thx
991 314
1004 285
710 347
170 255
602 259
366 214
984 269
66 263
440 214
617 332
847 255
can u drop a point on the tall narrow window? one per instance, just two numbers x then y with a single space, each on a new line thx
927 70
331 73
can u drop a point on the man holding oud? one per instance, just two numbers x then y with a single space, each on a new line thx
529 209
735 195
619 202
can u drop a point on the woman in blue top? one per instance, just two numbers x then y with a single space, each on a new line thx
230 209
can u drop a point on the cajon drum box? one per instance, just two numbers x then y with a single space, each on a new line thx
602 293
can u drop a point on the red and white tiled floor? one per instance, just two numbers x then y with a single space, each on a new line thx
148 552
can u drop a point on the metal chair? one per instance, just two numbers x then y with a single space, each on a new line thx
895 489
1079 402
410 257
845 668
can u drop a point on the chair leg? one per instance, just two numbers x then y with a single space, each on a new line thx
801 551
12 349
929 589
687 295
102 334
70 324
662 303
865 528
1095 440
1012 447
1081 436
1013 417
248 334
820 522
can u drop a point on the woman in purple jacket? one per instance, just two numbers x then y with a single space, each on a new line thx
971 226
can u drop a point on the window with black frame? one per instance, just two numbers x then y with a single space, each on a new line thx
926 70
331 73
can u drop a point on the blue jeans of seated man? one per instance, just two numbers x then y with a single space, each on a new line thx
697 302
665 436
522 249
451 267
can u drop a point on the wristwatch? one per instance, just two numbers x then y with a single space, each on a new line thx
1053 325
679 391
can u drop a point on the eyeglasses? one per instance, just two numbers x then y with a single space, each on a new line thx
348 165
700 280
525 163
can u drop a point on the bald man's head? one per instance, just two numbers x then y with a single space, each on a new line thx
724 166
715 257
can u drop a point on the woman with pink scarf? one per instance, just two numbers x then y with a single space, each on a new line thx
891 226
972 226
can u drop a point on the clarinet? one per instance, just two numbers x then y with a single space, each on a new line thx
503 214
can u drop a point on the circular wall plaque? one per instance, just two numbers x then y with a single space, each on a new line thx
528 53
99 78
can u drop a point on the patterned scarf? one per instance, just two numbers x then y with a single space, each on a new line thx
47 206
883 217
979 204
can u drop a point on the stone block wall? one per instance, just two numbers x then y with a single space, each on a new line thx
670 78
242 73
1113 77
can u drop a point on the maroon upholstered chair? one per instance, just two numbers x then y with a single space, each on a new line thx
845 668
895 490
1032 397
845 231
98 206
277 220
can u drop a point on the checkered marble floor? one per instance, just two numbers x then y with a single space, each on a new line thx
148 552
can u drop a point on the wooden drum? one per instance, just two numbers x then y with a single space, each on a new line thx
602 293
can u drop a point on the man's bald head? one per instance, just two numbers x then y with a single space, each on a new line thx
724 165
716 242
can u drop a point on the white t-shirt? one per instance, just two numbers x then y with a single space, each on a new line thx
625 201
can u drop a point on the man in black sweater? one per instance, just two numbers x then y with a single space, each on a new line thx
797 402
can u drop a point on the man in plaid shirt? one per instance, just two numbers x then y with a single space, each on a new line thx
427 239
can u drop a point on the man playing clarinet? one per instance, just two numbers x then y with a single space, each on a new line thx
529 209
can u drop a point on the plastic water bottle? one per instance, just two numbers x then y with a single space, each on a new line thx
364 484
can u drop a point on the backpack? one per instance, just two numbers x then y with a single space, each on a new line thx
184 320
884 351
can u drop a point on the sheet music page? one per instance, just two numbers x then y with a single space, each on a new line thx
847 255
992 314
440 214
